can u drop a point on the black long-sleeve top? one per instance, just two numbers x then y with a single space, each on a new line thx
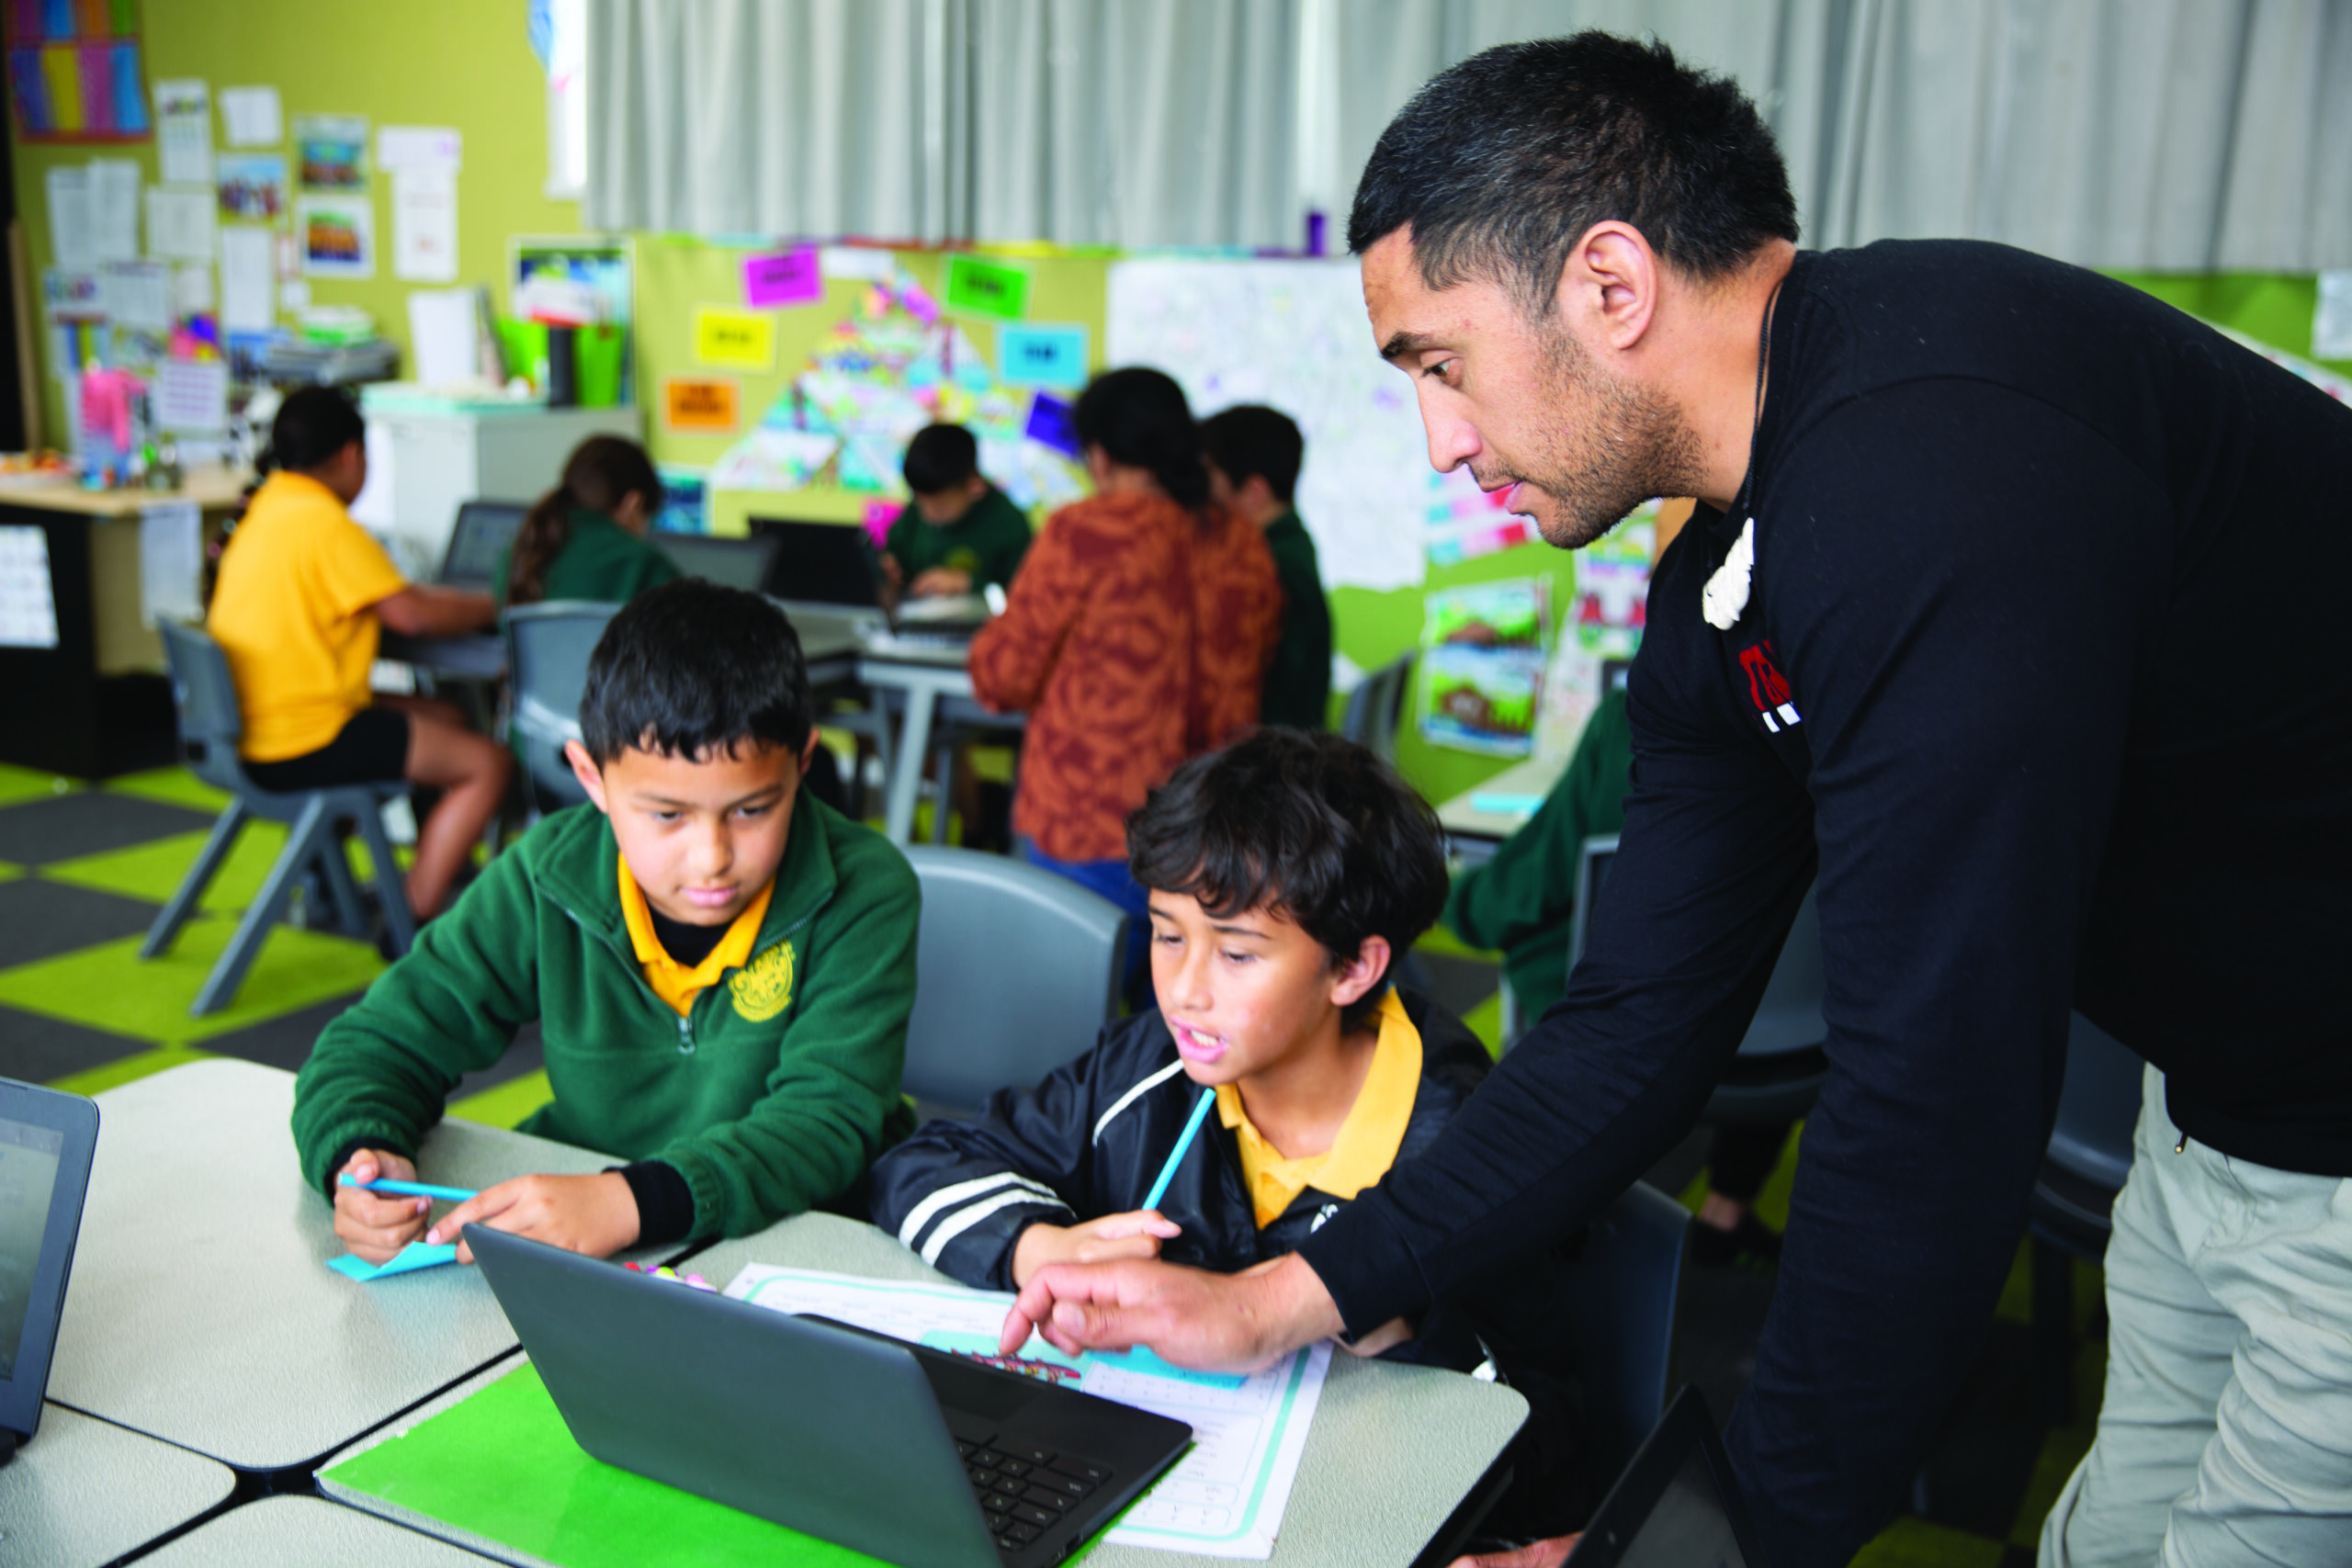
2044 670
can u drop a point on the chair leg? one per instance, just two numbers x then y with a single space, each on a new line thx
943 795
335 869
184 900
2053 1329
400 921
244 944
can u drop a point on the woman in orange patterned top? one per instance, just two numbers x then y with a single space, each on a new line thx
1135 636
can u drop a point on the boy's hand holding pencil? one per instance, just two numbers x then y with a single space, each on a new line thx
1137 1233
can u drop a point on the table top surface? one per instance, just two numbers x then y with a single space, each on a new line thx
304 1533
1533 777
213 489
83 1493
1393 1449
201 1310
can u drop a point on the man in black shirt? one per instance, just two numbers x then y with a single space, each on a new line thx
2011 616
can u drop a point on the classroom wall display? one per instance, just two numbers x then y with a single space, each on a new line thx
1042 357
253 187
331 152
736 340
1291 335
75 72
684 492
338 236
992 289
1481 669
1605 622
785 279
702 405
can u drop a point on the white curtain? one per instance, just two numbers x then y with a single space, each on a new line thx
2158 134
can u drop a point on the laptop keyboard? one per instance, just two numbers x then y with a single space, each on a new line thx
1024 1490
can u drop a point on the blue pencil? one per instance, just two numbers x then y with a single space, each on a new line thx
1176 1156
410 1189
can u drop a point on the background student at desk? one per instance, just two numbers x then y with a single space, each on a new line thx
302 597
960 533
585 538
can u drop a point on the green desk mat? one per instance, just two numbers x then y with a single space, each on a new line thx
501 1465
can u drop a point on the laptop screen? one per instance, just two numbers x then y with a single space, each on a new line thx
481 534
28 1161
820 563
1688 1528
730 561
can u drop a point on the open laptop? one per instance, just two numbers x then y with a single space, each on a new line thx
731 562
46 1142
833 569
1677 1505
903 1453
482 534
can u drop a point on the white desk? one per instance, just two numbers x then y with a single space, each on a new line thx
930 678
83 1493
1474 833
1393 1451
201 1310
303 1532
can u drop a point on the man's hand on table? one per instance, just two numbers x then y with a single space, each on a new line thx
592 1214
1534 1554
1228 1323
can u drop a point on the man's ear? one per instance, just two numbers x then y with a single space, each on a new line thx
591 776
1609 289
1359 976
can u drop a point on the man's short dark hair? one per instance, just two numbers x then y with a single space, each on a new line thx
1253 439
315 423
1501 164
1313 826
694 670
940 457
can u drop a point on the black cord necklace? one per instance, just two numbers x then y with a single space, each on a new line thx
1763 354
1725 595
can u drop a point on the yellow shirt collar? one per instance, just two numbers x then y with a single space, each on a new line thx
1368 1139
673 981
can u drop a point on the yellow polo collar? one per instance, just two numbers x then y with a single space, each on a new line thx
673 981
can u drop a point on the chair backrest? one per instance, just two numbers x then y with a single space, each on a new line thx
205 696
1621 1294
746 563
2100 1107
1371 717
1788 1018
548 647
983 1022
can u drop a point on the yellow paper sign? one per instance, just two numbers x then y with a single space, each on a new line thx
739 340
701 405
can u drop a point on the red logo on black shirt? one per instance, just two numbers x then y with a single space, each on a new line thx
1769 689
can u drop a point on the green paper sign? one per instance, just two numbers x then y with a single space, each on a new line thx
977 287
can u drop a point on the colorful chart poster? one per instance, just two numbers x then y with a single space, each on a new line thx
74 71
338 236
787 278
684 492
1481 669
331 151
702 405
1042 357
253 187
735 340
995 290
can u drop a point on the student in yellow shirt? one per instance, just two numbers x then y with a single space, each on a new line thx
303 596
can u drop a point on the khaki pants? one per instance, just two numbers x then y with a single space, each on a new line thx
2226 1434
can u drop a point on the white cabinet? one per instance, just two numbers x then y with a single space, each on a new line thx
422 464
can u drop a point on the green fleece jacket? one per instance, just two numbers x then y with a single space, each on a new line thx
988 541
1520 901
1298 678
599 561
772 1095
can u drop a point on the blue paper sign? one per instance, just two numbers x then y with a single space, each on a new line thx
1041 356
1053 423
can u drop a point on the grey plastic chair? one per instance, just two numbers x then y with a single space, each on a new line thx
1620 1294
2070 1214
547 665
1374 708
1017 970
211 723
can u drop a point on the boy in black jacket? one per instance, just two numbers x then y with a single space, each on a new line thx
1287 873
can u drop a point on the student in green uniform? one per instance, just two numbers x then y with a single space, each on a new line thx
1253 457
961 533
1520 902
585 539
721 965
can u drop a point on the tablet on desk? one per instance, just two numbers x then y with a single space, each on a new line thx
46 1142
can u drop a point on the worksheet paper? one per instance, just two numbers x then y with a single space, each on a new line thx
184 132
252 117
246 303
180 223
1223 1498
70 244
424 225
115 185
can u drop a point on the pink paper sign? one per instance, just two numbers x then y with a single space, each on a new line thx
880 515
787 277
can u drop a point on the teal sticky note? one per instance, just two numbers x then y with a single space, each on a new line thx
1041 356
407 1260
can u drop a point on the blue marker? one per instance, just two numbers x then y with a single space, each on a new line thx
408 1189
1176 1156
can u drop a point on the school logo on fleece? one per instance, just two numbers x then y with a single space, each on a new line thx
764 987
1769 689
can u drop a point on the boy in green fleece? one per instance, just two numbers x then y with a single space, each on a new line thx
722 967
960 533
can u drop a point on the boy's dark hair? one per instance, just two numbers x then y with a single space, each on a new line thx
1313 826
1254 439
1139 417
940 457
313 424
693 669
1501 164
